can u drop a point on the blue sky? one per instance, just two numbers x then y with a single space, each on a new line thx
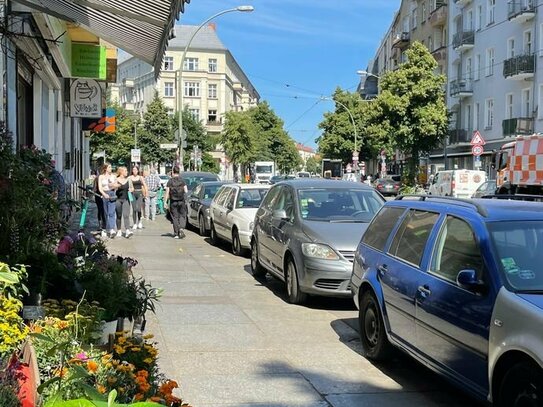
294 51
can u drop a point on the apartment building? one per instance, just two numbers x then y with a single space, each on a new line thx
495 86
213 82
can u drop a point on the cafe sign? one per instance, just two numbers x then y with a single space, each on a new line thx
85 98
89 61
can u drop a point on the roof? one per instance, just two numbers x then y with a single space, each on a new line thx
140 27
206 38
308 183
307 149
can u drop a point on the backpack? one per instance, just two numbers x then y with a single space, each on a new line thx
177 189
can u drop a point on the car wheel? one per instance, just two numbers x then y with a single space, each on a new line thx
213 235
522 386
202 225
295 296
257 270
236 243
374 340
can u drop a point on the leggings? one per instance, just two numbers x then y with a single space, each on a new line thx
137 206
123 212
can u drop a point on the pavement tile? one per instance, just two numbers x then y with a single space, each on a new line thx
403 399
201 314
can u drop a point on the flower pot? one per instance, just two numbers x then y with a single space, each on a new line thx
108 328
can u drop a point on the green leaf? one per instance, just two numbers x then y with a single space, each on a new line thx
42 337
47 383
111 397
92 393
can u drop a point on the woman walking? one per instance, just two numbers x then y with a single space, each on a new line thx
123 203
107 185
138 184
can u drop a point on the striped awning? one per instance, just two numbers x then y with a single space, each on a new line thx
140 27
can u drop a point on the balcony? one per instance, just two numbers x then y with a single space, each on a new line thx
521 11
461 88
518 126
440 54
459 136
438 17
129 83
520 67
462 3
400 40
464 40
128 106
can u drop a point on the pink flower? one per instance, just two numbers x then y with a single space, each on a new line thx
82 356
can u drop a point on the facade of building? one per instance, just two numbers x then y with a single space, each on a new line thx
305 152
213 83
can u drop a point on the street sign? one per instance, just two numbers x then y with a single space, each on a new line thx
477 150
477 139
135 155
168 146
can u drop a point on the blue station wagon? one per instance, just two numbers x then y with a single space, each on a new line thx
458 285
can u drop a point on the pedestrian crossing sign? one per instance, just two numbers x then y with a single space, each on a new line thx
477 139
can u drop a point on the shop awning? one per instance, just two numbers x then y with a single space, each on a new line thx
140 27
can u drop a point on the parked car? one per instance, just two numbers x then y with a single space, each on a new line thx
193 178
278 178
389 185
233 211
457 183
459 286
198 203
486 188
306 232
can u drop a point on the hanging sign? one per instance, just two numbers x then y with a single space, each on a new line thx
85 98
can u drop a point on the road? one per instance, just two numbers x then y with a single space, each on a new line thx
232 341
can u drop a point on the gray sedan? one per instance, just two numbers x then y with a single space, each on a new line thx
198 205
306 232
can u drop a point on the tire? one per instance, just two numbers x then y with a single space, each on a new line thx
201 225
522 386
375 344
213 235
294 295
257 270
236 243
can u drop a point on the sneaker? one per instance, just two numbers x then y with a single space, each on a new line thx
119 233
128 233
140 225
176 237
135 226
182 235
103 233
112 233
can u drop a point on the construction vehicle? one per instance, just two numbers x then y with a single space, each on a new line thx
519 166
332 169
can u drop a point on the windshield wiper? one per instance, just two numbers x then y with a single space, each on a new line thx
348 221
529 291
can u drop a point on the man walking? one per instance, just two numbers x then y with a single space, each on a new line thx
176 189
152 181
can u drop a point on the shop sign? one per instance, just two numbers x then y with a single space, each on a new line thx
89 61
85 98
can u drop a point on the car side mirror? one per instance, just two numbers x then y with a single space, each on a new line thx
467 279
280 214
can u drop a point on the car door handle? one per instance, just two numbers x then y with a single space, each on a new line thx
383 269
424 291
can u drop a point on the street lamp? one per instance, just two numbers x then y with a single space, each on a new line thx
180 90
366 73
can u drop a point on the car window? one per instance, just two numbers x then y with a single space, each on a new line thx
221 195
380 228
210 191
411 237
196 192
456 250
251 198
285 201
268 201
230 199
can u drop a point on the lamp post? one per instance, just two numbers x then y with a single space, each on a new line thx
180 90
366 73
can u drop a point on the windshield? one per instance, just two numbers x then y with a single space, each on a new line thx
338 204
263 169
195 180
519 247
210 191
250 198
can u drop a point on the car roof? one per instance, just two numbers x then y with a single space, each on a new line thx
308 183
213 183
491 210
197 174
250 186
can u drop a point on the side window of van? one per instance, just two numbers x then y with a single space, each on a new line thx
380 228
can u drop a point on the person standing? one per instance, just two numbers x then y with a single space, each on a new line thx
176 190
139 191
122 207
107 185
152 181
98 199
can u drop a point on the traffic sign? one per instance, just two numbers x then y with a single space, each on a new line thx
168 146
477 150
477 139
135 155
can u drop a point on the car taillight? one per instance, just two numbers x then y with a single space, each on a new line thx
380 186
396 186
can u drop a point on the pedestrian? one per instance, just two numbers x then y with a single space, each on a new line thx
139 189
99 203
107 184
152 181
176 190
122 205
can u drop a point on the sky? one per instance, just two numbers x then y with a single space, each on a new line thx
296 51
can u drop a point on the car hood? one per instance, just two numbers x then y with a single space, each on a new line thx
341 236
247 214
535 299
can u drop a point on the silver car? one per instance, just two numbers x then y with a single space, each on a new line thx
306 232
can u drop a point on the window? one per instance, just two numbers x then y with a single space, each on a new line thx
430 44
212 91
528 46
221 195
509 106
212 116
540 104
490 62
168 63
477 73
469 69
285 202
527 102
192 89
423 12
491 12
456 250
479 17
195 113
540 37
168 89
191 64
268 200
414 19
410 239
469 20
476 115
379 230
405 24
468 118
212 65
510 48
489 113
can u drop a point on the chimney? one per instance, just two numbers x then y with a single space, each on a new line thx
213 26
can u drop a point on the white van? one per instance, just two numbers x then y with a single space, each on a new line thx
457 183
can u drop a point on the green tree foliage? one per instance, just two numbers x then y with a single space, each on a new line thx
410 112
157 129
238 138
313 164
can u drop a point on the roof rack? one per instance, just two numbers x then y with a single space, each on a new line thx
517 197
459 201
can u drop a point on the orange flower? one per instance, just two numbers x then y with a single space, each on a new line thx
92 366
138 397
101 389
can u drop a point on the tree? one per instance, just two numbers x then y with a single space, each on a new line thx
410 112
313 165
287 158
157 129
238 138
